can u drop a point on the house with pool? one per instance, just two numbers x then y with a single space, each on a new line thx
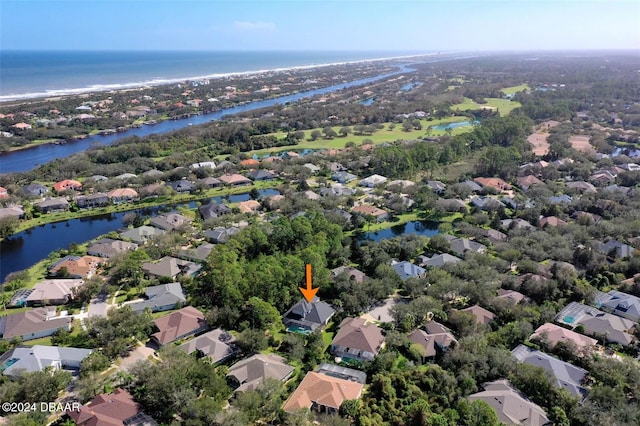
306 317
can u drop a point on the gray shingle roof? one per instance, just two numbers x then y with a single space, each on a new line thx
567 376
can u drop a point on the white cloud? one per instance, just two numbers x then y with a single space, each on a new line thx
254 26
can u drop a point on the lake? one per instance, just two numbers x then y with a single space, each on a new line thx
24 249
425 228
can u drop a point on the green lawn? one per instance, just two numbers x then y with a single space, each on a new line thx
505 106
514 89
379 137
402 219
46 341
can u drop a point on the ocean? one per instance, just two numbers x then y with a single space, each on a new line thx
31 74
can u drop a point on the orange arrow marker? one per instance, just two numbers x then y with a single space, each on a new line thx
309 292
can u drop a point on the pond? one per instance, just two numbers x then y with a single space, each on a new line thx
426 228
454 125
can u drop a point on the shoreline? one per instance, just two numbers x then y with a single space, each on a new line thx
52 93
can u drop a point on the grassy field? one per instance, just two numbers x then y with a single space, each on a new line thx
379 137
514 89
505 106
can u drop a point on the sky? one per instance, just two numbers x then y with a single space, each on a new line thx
350 25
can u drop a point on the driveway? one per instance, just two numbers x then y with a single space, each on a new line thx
98 307
140 353
380 312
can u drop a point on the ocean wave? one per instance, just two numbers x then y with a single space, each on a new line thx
162 81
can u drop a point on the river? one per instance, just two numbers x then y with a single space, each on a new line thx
28 159
22 250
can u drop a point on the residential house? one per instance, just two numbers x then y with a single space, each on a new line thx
566 376
438 260
99 178
400 185
334 167
369 210
142 234
343 177
308 316
437 186
99 199
372 181
511 406
250 163
551 221
451 205
406 270
312 168
462 246
178 325
209 182
35 190
160 298
357 340
353 273
611 328
111 409
249 206
11 211
170 267
482 315
486 203
126 176
621 304
582 187
494 183
249 373
67 184
493 236
197 254
53 292
435 339
337 190
182 185
342 372
322 393
311 195
29 359
33 324
473 187
614 248
552 334
526 182
170 221
560 199
106 247
581 216
220 235
513 296
76 266
123 195
234 179
258 175
49 205
516 224
203 164
213 210
217 345
153 173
